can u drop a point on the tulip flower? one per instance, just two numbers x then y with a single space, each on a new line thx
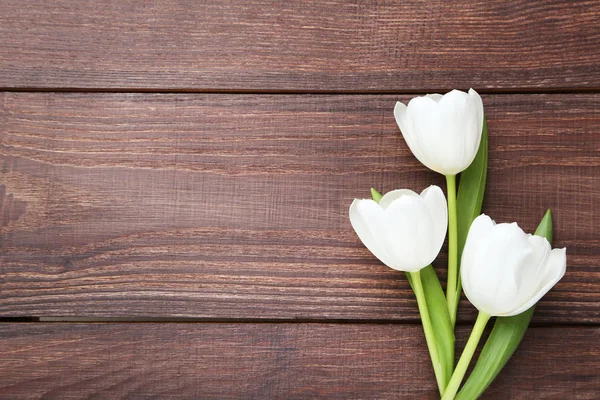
405 231
504 273
444 133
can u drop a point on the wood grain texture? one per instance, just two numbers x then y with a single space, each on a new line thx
298 45
235 206
271 361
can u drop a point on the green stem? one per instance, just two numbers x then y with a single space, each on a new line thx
428 330
457 299
467 354
453 278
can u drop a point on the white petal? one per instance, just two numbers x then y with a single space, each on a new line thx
472 127
530 272
426 128
486 298
407 129
435 97
363 215
480 227
435 201
454 113
477 106
454 97
556 267
409 232
536 262
508 248
390 197
400 113
490 264
554 270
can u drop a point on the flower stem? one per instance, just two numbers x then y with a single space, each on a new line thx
453 278
428 330
467 354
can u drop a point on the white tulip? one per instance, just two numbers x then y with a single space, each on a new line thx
506 271
443 132
405 230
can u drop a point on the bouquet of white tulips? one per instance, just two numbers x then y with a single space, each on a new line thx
503 270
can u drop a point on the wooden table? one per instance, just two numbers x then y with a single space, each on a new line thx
175 178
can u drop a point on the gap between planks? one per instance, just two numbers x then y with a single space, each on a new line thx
375 92
184 320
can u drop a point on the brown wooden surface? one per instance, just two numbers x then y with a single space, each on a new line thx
119 203
229 206
298 45
271 361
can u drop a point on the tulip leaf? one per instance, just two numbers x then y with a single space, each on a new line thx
438 313
503 340
544 229
471 190
376 195
470 195
443 329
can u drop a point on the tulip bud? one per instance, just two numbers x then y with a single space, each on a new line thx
506 271
405 230
443 132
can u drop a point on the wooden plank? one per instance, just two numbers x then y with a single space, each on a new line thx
235 206
297 45
272 361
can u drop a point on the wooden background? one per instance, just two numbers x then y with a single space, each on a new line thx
175 178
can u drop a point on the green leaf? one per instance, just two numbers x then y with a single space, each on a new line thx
440 320
503 341
544 229
376 195
471 190
470 195
438 313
